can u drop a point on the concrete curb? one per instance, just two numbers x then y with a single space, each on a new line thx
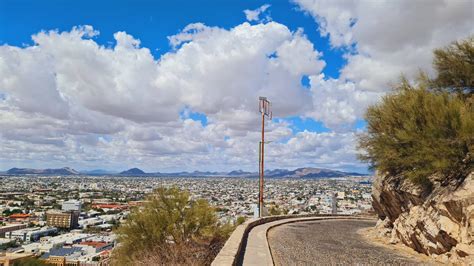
234 248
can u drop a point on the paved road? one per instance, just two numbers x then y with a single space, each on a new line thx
328 242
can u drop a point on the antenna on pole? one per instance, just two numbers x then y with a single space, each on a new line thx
264 107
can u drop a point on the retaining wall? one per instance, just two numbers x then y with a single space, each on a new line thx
234 248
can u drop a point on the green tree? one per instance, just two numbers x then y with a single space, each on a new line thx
276 210
170 228
9 212
417 133
454 65
30 262
427 128
240 220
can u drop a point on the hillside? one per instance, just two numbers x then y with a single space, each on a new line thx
436 220
133 171
306 172
26 171
420 138
309 172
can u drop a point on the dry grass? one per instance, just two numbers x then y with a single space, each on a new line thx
191 253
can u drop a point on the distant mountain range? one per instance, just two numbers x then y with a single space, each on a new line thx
98 172
307 172
29 171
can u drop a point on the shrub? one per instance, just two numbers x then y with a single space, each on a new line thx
454 65
427 128
30 262
419 132
170 228
240 220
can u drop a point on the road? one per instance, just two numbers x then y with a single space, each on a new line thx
329 242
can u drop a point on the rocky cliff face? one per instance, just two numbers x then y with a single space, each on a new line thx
436 220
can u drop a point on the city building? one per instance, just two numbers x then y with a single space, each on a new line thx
10 259
11 227
64 219
31 234
19 217
63 256
71 205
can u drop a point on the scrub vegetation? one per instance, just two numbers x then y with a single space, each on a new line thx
426 127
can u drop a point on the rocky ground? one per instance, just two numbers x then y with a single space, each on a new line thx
436 220
331 242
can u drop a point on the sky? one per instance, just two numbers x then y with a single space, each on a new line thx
174 85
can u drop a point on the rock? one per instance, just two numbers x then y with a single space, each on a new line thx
393 237
434 220
464 250
382 224
384 227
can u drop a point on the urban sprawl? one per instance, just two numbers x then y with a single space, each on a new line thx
71 219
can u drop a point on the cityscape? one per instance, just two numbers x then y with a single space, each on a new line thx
236 133
71 218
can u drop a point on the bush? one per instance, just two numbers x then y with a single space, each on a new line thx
240 220
428 128
170 228
454 65
30 262
419 132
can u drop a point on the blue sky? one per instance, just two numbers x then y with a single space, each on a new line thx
125 97
153 21
149 21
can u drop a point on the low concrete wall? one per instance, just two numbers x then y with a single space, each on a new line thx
231 253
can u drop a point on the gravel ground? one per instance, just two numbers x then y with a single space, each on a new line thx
330 242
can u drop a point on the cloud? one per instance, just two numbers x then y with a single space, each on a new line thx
382 40
69 99
388 38
221 73
331 150
254 15
339 104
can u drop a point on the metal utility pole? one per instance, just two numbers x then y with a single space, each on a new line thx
264 108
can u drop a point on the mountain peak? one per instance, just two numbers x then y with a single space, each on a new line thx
133 171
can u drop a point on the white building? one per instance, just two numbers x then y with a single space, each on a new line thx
31 234
71 205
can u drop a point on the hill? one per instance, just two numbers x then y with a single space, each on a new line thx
238 172
305 172
133 171
30 171
309 172
98 172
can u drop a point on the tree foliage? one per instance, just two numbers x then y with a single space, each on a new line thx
9 212
454 65
240 220
170 228
426 128
30 262
276 210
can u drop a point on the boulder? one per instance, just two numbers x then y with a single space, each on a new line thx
435 219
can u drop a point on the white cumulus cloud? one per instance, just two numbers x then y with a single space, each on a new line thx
67 99
254 15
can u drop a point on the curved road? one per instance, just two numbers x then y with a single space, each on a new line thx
328 242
